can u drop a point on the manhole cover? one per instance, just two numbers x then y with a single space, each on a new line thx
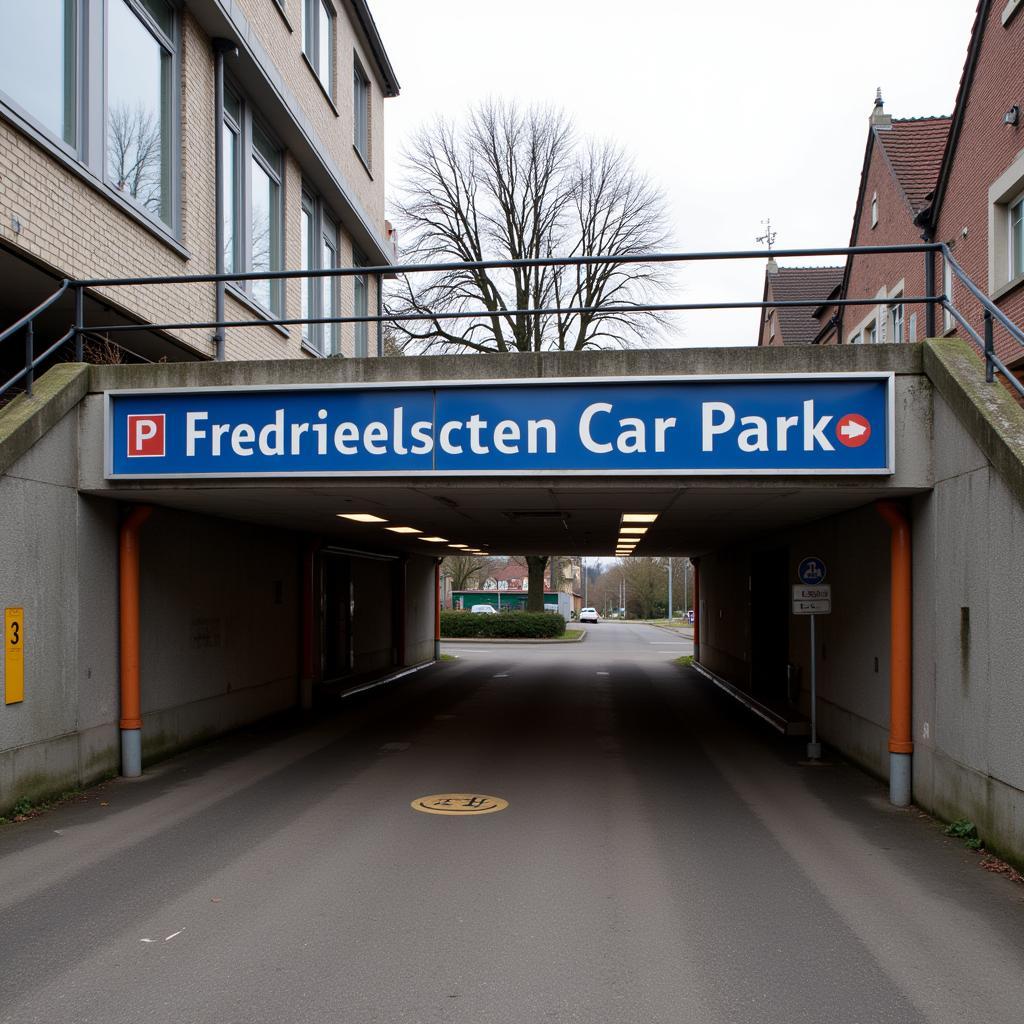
459 803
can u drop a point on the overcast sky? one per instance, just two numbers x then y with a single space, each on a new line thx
740 110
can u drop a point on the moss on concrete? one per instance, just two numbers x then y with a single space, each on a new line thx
988 411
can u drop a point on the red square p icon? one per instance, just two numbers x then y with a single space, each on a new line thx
146 435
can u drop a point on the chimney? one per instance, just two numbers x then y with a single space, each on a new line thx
771 267
879 118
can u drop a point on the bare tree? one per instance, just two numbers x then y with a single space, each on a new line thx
465 570
134 154
511 184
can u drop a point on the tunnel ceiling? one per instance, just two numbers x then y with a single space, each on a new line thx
522 516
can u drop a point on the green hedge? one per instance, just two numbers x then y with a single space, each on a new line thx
503 626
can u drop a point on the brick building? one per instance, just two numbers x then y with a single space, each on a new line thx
109 123
956 179
799 325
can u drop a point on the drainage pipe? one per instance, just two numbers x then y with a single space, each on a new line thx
901 743
131 701
220 48
695 562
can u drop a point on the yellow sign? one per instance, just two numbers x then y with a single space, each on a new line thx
459 803
14 655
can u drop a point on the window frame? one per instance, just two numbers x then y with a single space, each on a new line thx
1015 270
171 173
948 322
874 210
248 122
321 340
361 331
311 30
361 85
87 157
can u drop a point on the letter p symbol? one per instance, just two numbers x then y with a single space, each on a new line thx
146 436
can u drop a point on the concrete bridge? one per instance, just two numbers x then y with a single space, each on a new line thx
172 609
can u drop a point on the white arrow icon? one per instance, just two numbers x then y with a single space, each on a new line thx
853 429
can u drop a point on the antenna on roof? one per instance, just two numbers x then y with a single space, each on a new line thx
768 238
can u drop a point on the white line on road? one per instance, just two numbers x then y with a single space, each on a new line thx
173 934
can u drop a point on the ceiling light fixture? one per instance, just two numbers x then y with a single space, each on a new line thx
639 530
639 517
402 529
361 517
464 547
435 540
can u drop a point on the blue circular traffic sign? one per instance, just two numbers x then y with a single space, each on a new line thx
811 571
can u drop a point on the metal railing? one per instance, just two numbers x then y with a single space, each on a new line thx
932 300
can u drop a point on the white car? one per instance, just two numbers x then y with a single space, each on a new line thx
589 615
484 609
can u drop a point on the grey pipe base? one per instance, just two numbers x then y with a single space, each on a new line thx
131 753
900 777
437 650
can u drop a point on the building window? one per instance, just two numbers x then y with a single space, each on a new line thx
361 110
874 210
896 318
140 115
1016 240
857 339
912 336
39 63
320 295
869 334
361 305
771 326
318 40
232 129
252 202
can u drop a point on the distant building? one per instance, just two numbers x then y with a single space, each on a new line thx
798 325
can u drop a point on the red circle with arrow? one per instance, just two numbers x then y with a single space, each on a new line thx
853 430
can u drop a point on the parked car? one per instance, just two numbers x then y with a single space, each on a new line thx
589 615
484 609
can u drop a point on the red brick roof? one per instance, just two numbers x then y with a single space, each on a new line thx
797 323
914 148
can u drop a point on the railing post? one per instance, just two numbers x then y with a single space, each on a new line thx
29 357
929 289
380 313
79 324
989 349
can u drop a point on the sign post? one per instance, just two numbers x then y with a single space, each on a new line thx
813 597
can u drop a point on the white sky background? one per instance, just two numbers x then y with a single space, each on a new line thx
740 110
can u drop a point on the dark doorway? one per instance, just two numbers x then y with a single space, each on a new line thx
769 626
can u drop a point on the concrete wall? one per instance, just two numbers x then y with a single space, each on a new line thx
224 596
419 613
968 551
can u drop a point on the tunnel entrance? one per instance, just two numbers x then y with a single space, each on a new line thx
769 626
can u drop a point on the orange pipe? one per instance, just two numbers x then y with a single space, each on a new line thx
901 626
131 701
695 562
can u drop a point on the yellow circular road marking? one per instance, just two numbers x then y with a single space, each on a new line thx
459 804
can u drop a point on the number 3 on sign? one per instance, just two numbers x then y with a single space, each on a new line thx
14 655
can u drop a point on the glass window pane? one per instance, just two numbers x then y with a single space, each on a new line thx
265 235
138 111
360 121
361 308
38 61
308 29
324 62
231 197
329 296
233 107
307 263
162 14
266 149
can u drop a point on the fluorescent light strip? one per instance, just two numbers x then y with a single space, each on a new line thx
435 540
639 517
361 517
402 529
638 530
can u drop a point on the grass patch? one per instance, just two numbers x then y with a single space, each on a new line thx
685 660
966 830
448 657
572 634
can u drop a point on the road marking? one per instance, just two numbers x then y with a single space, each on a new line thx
500 675
173 934
459 804
603 673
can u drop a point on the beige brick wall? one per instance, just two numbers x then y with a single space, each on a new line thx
72 226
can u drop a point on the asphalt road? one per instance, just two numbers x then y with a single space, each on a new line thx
662 859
